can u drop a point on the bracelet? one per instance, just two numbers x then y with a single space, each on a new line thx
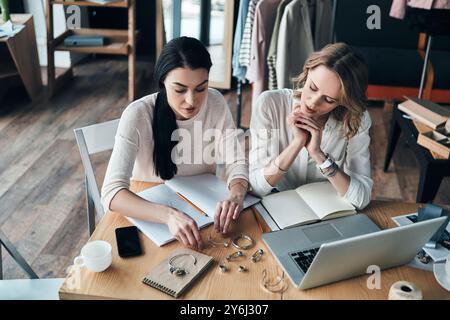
244 185
327 163
330 171
273 162
247 246
180 271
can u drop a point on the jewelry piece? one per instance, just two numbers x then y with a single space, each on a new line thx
235 255
330 171
180 271
276 166
279 286
423 257
257 255
327 163
223 267
335 170
243 184
214 243
242 247
242 269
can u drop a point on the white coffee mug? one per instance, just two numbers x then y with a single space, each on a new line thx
447 267
95 256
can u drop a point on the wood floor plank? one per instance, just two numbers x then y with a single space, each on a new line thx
27 185
33 146
52 188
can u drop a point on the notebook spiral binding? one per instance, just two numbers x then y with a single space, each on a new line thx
160 287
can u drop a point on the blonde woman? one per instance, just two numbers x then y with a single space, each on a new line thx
320 131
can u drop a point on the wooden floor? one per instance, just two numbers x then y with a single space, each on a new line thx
42 197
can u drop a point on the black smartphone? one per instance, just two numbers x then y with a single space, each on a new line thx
128 243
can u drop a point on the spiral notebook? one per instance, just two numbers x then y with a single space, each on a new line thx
160 277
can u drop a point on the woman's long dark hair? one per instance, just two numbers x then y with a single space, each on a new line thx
183 52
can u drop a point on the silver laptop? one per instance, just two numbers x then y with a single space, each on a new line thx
342 248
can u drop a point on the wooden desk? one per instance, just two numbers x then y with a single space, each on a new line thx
123 280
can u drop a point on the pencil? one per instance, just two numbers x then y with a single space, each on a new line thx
195 207
257 221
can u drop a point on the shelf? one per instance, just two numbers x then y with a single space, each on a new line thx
117 41
120 4
7 71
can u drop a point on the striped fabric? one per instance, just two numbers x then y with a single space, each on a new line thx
271 64
246 43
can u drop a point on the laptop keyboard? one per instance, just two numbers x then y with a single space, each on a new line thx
304 258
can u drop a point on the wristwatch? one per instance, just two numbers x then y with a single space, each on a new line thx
326 164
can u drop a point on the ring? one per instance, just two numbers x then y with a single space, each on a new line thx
257 255
235 255
242 247
179 271
223 267
242 269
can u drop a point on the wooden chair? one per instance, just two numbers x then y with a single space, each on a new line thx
91 140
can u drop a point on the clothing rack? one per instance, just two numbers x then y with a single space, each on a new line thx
425 66
240 83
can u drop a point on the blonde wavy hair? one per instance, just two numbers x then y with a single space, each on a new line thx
353 75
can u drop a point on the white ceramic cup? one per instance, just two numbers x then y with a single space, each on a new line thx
95 256
447 266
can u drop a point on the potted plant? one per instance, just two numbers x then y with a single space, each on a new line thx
4 6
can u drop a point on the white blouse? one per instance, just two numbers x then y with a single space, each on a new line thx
132 156
271 135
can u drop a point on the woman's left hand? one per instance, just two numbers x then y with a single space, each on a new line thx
228 210
315 129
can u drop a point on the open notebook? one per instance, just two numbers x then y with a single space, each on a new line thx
307 204
204 191
159 232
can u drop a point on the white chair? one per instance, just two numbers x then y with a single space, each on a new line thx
30 289
94 139
25 289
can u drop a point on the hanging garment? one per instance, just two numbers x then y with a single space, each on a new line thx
238 70
257 74
323 24
295 42
434 22
272 53
246 43
398 7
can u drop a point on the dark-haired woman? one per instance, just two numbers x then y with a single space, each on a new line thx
152 130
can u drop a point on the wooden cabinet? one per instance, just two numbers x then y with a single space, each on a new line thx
19 56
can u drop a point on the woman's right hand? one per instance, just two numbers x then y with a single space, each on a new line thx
184 228
300 136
